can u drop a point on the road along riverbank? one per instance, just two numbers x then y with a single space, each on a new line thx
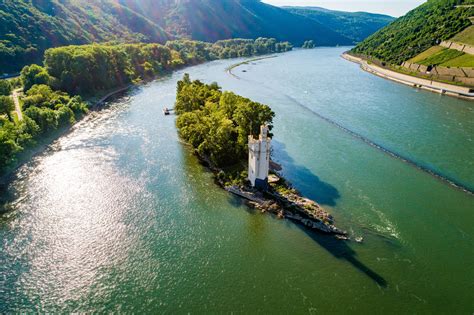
429 85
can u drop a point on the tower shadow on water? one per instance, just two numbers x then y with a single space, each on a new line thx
308 183
341 250
325 194
316 189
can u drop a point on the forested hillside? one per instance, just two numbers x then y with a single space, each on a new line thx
211 20
422 28
356 26
28 28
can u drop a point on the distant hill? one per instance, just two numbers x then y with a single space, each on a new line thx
426 26
211 20
27 28
356 26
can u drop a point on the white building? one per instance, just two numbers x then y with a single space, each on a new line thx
259 159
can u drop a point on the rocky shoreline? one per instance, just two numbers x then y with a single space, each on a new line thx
290 206
284 202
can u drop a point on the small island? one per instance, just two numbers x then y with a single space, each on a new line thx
232 136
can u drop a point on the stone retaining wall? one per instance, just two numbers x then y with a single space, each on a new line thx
464 75
458 46
469 72
468 81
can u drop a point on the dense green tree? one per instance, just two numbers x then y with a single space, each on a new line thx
6 106
218 123
45 118
5 87
34 74
88 69
8 144
45 110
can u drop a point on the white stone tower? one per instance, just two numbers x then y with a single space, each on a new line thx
259 159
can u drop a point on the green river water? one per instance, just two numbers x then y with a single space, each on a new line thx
118 215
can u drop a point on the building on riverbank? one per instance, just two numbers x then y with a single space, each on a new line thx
259 159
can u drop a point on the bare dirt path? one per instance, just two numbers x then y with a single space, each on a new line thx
16 100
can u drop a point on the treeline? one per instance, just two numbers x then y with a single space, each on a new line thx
87 69
422 28
217 124
47 104
28 28
44 111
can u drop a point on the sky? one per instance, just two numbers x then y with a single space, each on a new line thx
391 7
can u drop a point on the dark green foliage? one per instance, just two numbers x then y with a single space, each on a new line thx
28 28
422 28
192 52
87 69
45 111
15 83
6 106
356 26
217 124
309 44
5 87
34 74
8 142
213 20
232 48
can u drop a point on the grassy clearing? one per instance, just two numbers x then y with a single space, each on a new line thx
441 57
426 54
465 37
465 60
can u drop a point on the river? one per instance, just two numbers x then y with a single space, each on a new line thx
118 215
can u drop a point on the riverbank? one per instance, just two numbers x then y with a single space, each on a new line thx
280 199
94 102
42 144
287 203
429 85
246 62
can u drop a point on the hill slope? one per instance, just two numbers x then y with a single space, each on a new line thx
27 28
356 26
422 28
212 20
